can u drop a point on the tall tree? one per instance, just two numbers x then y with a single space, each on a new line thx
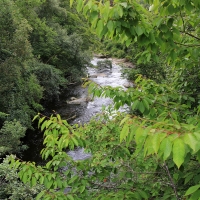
20 90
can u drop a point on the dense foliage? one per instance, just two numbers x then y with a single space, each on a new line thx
41 51
154 151
12 187
43 47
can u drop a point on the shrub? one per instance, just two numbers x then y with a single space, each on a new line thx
10 135
12 188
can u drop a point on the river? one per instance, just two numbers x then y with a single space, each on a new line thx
77 113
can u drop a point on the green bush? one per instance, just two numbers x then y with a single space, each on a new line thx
50 78
13 189
131 74
10 135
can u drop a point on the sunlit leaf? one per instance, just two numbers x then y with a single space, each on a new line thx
40 195
100 26
71 3
178 152
166 148
124 132
110 25
192 190
191 140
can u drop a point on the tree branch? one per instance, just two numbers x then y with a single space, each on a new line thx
171 180
187 45
192 35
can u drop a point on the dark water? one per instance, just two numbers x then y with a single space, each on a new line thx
76 113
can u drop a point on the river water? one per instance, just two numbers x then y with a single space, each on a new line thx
78 113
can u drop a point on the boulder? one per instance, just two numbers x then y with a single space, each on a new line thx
92 76
128 85
79 101
73 98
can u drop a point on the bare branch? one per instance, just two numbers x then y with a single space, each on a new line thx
192 35
171 180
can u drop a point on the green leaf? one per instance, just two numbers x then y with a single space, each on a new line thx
128 42
135 105
79 5
70 197
100 26
48 123
36 175
110 25
59 183
192 141
49 183
73 179
82 188
136 195
43 125
40 195
66 143
131 134
41 180
106 11
74 141
164 28
166 148
158 21
138 30
85 9
94 19
195 195
48 164
178 152
170 22
192 190
156 139
124 120
124 4
124 132
188 178
120 11
171 9
140 136
146 104
141 107
71 3
143 194
132 30
58 117
40 121
25 178
148 148
33 181
36 116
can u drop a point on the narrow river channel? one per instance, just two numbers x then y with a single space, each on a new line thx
74 105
